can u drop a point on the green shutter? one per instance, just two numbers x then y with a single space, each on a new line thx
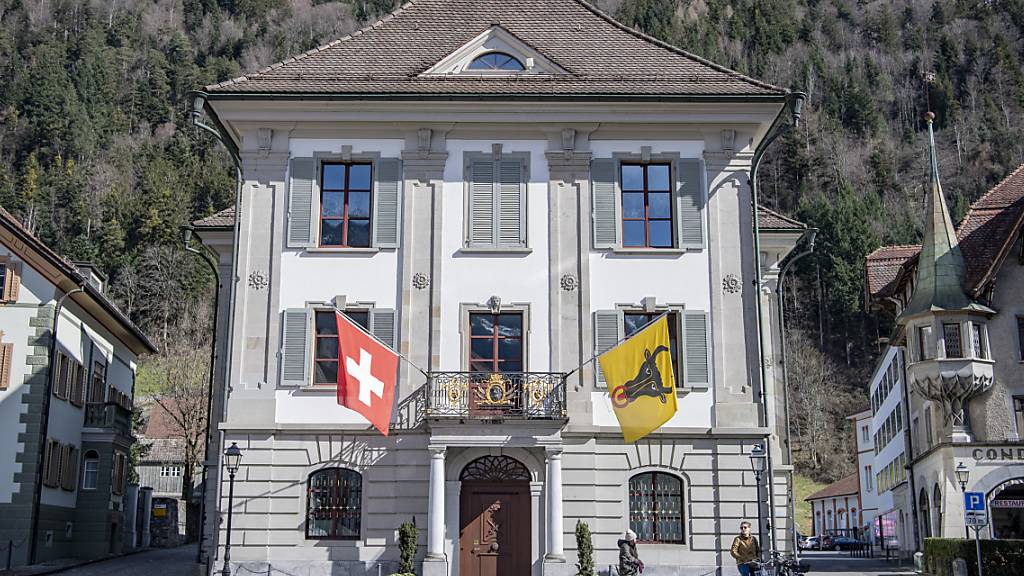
295 345
511 204
387 204
690 203
301 220
607 333
481 204
605 208
382 325
697 371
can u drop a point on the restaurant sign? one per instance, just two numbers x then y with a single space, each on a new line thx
1008 503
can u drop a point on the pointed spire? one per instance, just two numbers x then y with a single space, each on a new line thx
940 268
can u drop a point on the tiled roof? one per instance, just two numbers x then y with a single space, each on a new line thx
223 219
601 56
159 423
71 271
846 487
772 220
985 236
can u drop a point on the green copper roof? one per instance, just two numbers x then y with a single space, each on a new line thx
940 268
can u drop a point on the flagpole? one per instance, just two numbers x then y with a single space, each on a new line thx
384 344
620 341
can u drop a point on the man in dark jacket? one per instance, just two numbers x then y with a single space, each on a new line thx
629 561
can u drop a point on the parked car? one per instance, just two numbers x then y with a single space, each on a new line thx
845 543
826 542
808 543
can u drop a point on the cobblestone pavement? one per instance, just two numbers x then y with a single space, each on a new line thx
841 564
179 561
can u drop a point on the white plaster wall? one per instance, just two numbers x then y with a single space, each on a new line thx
515 278
671 278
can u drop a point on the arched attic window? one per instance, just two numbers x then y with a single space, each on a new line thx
499 61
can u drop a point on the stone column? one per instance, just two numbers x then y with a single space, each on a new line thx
435 506
555 552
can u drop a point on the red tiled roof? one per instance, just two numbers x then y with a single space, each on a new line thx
601 57
159 423
846 487
772 220
985 236
223 219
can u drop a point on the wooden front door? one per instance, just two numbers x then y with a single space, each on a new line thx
494 529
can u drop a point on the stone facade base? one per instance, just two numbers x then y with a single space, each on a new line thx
318 568
435 568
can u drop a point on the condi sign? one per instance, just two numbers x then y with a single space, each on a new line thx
998 454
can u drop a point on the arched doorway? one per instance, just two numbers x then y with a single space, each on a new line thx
1008 512
494 524
925 515
937 506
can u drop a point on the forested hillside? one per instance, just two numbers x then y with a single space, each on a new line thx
97 157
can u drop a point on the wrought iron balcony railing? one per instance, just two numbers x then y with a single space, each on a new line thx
109 416
496 396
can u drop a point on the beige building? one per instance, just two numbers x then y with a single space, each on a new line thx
499 190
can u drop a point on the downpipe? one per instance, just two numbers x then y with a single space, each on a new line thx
791 111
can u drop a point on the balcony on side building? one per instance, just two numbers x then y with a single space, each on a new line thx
108 416
496 396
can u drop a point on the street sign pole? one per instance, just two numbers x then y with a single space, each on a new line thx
977 545
975 516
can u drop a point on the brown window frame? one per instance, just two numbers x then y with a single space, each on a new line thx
6 360
647 219
97 383
496 359
636 515
344 489
359 316
345 219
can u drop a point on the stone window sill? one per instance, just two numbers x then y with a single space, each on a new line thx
319 250
495 250
653 251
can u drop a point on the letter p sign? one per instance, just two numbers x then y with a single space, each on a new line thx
974 501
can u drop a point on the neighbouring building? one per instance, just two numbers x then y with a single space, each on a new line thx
498 190
61 477
162 468
835 509
960 330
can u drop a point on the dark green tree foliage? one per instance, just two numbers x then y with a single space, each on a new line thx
407 534
584 550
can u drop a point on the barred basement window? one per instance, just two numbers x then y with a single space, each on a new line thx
656 508
334 504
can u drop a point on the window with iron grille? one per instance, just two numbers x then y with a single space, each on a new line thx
976 340
334 504
656 508
496 342
951 333
647 206
325 351
345 201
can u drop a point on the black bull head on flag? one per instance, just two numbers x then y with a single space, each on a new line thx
646 383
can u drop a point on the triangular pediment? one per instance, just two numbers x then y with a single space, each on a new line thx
498 41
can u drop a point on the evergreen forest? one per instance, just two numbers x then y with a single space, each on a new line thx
98 157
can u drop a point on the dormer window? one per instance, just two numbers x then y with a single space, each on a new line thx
497 61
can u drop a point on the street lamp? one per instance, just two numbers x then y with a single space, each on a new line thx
962 475
232 457
757 463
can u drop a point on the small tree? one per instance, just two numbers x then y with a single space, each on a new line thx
584 549
407 533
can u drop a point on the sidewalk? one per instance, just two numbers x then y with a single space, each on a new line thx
62 565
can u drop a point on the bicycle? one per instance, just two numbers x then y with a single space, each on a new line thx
780 565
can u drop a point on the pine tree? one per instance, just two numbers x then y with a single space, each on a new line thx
584 550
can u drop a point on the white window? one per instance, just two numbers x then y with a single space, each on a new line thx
868 479
90 470
173 471
864 434
925 343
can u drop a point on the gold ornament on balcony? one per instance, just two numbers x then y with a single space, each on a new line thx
495 391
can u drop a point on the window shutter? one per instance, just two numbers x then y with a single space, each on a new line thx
607 333
697 360
6 358
690 203
605 207
295 348
69 477
382 325
302 177
12 281
511 204
387 204
481 204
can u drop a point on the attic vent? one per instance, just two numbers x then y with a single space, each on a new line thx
496 61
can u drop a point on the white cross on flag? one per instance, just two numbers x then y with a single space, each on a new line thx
367 373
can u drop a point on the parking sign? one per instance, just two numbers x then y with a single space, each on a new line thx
975 513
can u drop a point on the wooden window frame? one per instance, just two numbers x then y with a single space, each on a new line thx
52 463
6 361
652 512
97 383
495 360
118 473
345 190
86 461
328 336
675 335
340 492
647 219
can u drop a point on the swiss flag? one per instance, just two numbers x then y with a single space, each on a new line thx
367 371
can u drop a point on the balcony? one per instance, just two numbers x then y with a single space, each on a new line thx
496 396
108 416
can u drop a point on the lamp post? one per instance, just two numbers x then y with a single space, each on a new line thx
232 457
962 475
757 463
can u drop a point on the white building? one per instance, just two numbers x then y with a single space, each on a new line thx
499 190
62 477
959 314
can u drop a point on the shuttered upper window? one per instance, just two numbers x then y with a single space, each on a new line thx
10 280
325 351
634 322
497 202
309 347
692 360
6 360
345 194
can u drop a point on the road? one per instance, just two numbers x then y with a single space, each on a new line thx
179 561
840 564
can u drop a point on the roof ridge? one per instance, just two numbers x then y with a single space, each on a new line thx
359 31
782 216
677 49
990 192
892 247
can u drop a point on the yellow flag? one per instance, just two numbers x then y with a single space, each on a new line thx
640 381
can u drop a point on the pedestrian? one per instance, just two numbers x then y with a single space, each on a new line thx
629 560
745 550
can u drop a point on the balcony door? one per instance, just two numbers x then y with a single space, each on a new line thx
496 364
